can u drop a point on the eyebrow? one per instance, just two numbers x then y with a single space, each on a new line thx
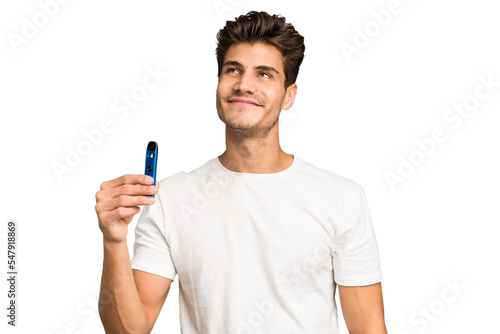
261 67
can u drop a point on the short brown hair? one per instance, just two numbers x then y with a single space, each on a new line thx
261 27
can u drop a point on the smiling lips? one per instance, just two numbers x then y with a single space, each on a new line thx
243 102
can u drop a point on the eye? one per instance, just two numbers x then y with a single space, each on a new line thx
231 70
265 73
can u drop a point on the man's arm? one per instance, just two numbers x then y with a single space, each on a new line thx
363 309
153 291
129 301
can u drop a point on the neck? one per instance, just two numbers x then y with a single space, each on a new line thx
256 155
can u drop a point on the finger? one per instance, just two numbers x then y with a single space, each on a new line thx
121 213
128 179
123 202
126 189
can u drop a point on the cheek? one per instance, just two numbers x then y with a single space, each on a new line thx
223 87
275 97
220 91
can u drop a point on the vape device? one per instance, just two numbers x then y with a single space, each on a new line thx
151 161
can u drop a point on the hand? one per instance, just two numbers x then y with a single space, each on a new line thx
118 202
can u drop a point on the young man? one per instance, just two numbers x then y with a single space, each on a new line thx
259 238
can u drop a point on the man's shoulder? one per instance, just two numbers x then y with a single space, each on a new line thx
306 173
183 178
327 177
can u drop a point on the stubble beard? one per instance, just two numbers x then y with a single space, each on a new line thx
243 131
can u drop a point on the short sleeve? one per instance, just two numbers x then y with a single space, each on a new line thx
356 258
151 249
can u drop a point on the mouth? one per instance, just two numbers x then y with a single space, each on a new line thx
240 101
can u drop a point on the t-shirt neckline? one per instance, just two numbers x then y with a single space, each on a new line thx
260 176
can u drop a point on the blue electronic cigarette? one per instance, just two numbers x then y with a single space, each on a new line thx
151 160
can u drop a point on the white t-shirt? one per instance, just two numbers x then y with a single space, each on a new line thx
258 253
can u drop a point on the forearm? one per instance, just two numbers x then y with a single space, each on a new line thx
375 329
365 321
363 309
120 308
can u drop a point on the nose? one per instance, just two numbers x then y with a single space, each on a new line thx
245 84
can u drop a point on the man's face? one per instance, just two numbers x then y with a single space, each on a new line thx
251 92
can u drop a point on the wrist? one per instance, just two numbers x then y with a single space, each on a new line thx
108 243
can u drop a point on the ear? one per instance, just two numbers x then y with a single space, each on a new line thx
290 94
